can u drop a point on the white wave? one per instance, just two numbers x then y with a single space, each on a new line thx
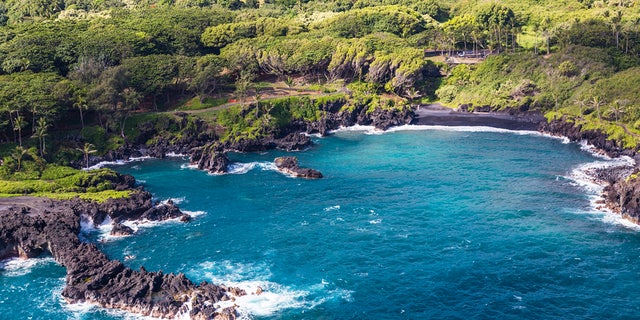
411 127
584 177
272 298
194 214
178 200
375 221
314 135
332 208
584 174
357 128
84 310
16 267
117 162
242 168
87 225
176 155
189 166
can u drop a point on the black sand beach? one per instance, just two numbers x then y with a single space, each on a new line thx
438 115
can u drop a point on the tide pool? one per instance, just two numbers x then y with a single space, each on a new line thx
409 224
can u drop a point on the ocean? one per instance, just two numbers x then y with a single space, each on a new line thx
414 223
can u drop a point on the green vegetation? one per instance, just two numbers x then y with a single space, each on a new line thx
61 182
84 77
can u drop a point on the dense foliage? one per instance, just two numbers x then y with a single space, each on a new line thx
74 72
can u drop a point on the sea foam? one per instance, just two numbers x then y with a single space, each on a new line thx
117 162
16 267
584 177
274 297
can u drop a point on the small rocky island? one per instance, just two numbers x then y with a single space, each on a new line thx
289 165
31 227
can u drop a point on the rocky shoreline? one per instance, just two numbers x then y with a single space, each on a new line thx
207 153
30 227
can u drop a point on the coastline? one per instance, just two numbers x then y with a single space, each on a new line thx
430 115
438 115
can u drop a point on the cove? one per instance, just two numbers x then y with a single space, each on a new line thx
405 225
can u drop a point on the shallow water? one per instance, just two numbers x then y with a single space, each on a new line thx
405 225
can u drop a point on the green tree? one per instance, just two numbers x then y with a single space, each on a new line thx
18 155
81 105
87 149
18 124
597 102
131 100
41 133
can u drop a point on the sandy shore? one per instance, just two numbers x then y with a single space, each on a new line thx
438 115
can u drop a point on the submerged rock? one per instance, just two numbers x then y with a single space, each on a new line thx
289 165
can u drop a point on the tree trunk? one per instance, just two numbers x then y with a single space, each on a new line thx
81 119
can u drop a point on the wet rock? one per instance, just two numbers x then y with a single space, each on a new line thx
210 158
120 230
164 211
289 165
94 278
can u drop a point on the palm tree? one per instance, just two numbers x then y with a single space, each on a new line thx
18 155
81 104
40 133
18 123
619 107
597 102
581 103
87 149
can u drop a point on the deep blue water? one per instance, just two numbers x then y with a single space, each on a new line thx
405 225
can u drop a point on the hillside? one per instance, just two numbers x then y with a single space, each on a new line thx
79 78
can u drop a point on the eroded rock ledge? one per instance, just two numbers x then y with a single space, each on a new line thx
48 226
622 191
289 165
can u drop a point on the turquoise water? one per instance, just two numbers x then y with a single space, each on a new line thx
405 225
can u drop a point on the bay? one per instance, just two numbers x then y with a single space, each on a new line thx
405 225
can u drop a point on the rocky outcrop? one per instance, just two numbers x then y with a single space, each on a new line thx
622 190
622 195
384 119
210 158
93 277
138 206
599 139
289 165
120 230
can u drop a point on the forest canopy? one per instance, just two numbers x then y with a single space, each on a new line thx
94 63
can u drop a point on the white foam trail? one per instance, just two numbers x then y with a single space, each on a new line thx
87 225
194 214
314 135
242 168
584 177
375 221
358 128
274 296
178 200
332 208
176 155
15 267
189 166
83 310
411 127
117 162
